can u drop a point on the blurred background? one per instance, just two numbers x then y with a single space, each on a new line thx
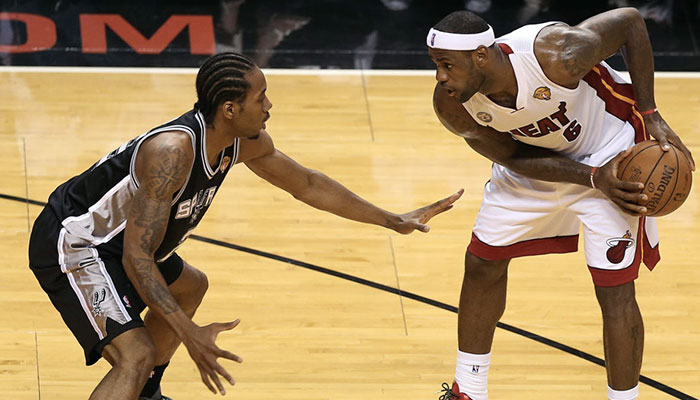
360 34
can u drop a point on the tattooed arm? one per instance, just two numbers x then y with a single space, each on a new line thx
568 53
162 166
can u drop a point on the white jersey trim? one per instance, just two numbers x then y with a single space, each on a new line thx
79 221
181 128
74 285
203 148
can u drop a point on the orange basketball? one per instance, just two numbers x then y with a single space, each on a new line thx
666 175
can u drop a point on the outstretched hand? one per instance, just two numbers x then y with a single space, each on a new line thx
417 219
627 195
659 129
203 350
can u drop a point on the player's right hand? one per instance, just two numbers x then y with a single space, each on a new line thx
200 343
627 195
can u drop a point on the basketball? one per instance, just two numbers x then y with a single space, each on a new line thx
666 176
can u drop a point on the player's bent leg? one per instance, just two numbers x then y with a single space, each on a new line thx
482 302
188 290
132 355
623 335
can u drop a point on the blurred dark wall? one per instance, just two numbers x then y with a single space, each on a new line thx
381 34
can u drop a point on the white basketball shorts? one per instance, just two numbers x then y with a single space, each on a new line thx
520 216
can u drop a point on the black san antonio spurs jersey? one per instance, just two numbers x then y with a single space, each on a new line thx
93 206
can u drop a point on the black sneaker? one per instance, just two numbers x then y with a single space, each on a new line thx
157 396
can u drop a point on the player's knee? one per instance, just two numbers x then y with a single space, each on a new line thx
201 286
141 359
618 301
190 298
485 271
135 353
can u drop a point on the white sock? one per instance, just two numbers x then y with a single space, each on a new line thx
472 374
631 394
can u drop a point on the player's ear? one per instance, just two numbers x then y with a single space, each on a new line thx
229 109
480 56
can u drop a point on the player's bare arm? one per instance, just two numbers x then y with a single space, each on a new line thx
162 167
320 191
568 53
533 162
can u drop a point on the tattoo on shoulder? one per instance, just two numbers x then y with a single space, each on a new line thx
150 206
578 55
168 170
154 291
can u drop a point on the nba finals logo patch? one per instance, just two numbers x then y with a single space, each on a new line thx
432 40
486 117
225 163
618 247
542 93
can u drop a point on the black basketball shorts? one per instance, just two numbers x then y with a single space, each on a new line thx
88 284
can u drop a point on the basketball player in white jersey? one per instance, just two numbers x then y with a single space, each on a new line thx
104 247
556 120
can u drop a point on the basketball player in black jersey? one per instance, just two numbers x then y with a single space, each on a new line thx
103 248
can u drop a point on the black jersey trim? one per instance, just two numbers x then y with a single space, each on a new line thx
236 148
203 148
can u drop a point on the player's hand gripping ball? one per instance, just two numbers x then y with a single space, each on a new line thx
666 176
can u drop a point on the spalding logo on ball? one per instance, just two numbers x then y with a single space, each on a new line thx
666 176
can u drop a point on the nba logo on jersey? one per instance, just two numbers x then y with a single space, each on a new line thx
432 40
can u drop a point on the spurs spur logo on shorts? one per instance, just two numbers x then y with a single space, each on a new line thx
98 296
486 117
542 93
618 247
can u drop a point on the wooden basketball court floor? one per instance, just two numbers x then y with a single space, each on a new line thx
340 331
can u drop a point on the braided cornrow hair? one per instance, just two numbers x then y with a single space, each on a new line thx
221 78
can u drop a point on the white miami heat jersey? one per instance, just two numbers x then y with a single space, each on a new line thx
573 122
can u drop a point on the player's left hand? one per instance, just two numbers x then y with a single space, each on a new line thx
659 129
417 219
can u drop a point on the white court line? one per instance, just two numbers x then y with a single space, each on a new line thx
274 71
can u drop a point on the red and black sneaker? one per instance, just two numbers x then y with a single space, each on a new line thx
452 393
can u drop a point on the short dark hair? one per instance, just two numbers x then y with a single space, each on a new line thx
462 22
222 78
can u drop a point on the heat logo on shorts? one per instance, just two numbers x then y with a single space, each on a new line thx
618 247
